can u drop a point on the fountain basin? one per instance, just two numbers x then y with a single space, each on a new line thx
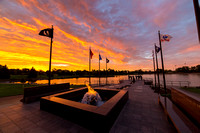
98 119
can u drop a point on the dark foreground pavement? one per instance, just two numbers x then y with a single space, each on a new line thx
142 113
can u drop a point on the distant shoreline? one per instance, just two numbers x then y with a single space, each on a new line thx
21 78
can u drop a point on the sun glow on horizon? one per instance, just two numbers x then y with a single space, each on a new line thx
123 33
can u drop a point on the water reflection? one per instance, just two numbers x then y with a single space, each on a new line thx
193 78
79 81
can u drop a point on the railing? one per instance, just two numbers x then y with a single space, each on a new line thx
176 83
150 79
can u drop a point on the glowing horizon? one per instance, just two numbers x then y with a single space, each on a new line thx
125 33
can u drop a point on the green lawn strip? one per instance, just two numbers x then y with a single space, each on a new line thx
192 89
18 89
77 86
13 77
13 89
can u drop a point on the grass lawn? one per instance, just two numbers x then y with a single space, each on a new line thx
77 86
13 89
12 77
192 89
18 89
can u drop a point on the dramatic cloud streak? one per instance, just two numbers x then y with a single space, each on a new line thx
124 32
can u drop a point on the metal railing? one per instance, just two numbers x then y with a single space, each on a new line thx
174 84
178 83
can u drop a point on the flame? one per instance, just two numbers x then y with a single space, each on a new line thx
91 97
90 90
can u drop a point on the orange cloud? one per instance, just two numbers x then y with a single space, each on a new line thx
191 49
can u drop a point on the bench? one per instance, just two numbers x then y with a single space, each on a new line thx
32 94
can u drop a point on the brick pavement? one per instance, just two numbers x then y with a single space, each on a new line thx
142 113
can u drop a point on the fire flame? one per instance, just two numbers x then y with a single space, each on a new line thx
90 90
91 97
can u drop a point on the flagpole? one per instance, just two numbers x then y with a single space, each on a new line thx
154 68
163 70
50 59
89 64
157 69
106 71
197 12
99 68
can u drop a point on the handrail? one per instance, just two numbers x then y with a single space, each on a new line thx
177 83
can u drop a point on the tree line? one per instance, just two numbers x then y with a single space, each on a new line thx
6 73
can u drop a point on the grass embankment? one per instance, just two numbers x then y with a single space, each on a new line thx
192 89
18 89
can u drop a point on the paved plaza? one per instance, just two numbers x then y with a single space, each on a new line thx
141 114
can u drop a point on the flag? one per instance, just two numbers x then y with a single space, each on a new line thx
100 57
152 53
107 60
91 54
47 32
157 49
165 37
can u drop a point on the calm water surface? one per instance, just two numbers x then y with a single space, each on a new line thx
193 78
78 81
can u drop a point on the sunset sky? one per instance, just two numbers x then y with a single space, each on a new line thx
124 31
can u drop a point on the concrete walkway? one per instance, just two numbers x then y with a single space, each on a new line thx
142 113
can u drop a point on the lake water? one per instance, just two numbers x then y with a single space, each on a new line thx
193 78
79 81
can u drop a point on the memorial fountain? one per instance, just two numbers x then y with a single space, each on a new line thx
95 109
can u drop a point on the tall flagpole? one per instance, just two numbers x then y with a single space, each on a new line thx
157 69
99 68
106 71
163 69
50 58
154 67
89 64
197 12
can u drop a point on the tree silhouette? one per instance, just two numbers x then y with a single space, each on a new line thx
4 72
32 73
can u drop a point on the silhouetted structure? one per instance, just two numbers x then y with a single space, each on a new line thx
157 70
48 33
4 72
154 67
197 14
163 69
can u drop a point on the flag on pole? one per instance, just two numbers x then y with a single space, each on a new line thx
157 49
47 32
107 60
91 54
152 53
165 37
100 57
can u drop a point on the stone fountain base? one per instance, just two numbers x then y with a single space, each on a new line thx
98 119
